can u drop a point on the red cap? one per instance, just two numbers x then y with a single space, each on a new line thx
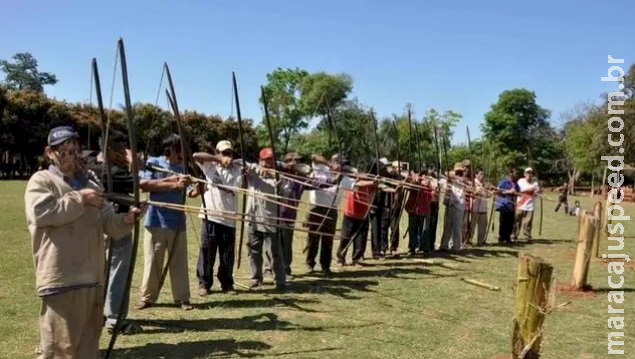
266 153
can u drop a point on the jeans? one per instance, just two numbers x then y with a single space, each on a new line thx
416 225
355 230
452 227
286 235
216 237
430 232
505 226
117 276
272 243
322 241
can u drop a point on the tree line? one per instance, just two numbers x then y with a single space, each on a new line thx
516 131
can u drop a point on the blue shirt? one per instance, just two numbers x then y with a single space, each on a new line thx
163 217
506 203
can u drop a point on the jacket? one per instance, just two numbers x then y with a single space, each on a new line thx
67 236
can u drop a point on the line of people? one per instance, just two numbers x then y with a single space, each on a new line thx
65 205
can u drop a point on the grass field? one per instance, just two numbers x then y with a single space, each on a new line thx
393 309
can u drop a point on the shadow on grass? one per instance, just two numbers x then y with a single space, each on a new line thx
257 303
388 271
324 285
258 322
606 290
201 349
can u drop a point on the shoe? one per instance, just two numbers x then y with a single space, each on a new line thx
228 289
358 264
290 276
309 269
127 328
142 305
185 305
327 272
255 285
202 291
280 288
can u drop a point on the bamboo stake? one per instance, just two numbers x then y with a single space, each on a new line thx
481 284
532 291
583 254
597 234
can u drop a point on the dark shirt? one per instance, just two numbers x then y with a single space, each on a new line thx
506 203
122 182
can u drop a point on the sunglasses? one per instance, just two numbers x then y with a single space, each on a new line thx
227 153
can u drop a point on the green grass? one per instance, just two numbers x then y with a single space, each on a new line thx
394 309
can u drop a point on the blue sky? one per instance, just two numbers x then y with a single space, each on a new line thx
456 55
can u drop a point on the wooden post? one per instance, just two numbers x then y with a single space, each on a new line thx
583 254
597 234
532 292
606 221
604 183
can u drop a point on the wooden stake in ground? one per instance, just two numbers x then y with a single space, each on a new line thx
597 235
583 254
532 293
606 221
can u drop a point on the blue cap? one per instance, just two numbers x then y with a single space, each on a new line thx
60 134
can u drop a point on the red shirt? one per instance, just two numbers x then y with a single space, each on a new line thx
357 202
419 203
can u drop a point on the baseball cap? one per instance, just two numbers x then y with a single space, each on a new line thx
265 153
224 145
383 161
459 167
529 169
60 134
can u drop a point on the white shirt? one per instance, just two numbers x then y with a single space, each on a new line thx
326 197
454 194
525 201
217 198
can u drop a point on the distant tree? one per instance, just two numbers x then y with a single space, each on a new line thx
283 101
519 129
321 90
23 74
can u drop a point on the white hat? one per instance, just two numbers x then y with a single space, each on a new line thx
395 163
383 161
529 169
224 145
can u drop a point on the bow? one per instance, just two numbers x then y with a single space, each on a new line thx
244 163
186 155
376 165
106 169
467 235
135 180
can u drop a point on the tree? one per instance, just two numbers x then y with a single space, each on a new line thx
518 127
283 101
24 75
321 90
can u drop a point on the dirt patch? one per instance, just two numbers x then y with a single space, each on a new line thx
502 356
587 291
606 261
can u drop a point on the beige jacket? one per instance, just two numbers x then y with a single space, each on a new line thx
68 237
